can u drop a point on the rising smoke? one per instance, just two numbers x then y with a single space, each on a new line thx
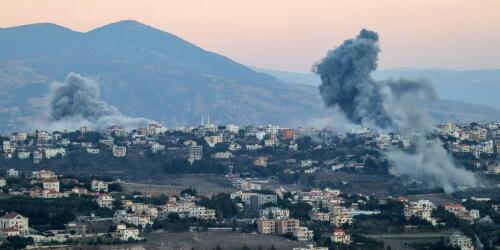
75 103
393 104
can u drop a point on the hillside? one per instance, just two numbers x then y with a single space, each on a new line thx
146 72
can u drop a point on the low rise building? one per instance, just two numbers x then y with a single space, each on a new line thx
339 236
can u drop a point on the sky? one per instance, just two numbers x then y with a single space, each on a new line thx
291 34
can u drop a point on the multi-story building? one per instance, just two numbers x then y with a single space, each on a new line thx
266 226
284 226
274 213
99 186
13 221
260 161
125 233
105 200
341 237
51 184
303 234
195 153
461 241
119 151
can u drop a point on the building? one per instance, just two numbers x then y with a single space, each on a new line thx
119 151
12 173
3 182
339 236
303 234
284 226
51 184
53 152
258 200
14 221
125 233
195 153
261 161
274 213
99 186
105 200
461 241
43 175
266 226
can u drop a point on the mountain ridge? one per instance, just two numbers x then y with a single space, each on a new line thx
143 71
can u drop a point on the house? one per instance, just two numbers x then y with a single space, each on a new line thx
119 151
43 175
303 234
125 233
14 221
274 213
99 186
23 155
222 155
461 241
341 237
12 173
105 200
261 161
53 152
195 153
93 151
266 226
258 200
284 226
3 182
51 184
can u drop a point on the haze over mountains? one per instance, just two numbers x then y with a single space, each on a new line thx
150 73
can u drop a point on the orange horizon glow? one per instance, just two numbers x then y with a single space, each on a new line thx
292 35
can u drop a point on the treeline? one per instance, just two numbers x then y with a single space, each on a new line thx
47 214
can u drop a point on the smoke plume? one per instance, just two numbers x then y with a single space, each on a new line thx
388 105
75 103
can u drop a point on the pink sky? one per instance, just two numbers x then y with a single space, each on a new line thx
292 35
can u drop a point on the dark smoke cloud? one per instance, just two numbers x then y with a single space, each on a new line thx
392 104
75 103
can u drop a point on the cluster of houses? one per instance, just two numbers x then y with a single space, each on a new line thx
479 141
41 145
327 206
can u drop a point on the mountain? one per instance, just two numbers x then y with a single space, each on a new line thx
146 72
473 86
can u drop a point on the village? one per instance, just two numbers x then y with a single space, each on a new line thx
297 207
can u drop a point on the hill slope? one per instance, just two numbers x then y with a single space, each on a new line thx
149 73
144 72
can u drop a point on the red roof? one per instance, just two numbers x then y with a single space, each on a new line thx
10 229
10 215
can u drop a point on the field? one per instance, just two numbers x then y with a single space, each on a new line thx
201 241
398 241
173 184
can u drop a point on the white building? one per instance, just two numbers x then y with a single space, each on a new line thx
53 152
105 200
119 151
14 221
12 173
195 153
461 241
51 184
303 234
99 186
125 233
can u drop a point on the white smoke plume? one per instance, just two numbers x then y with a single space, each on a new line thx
75 103
393 104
